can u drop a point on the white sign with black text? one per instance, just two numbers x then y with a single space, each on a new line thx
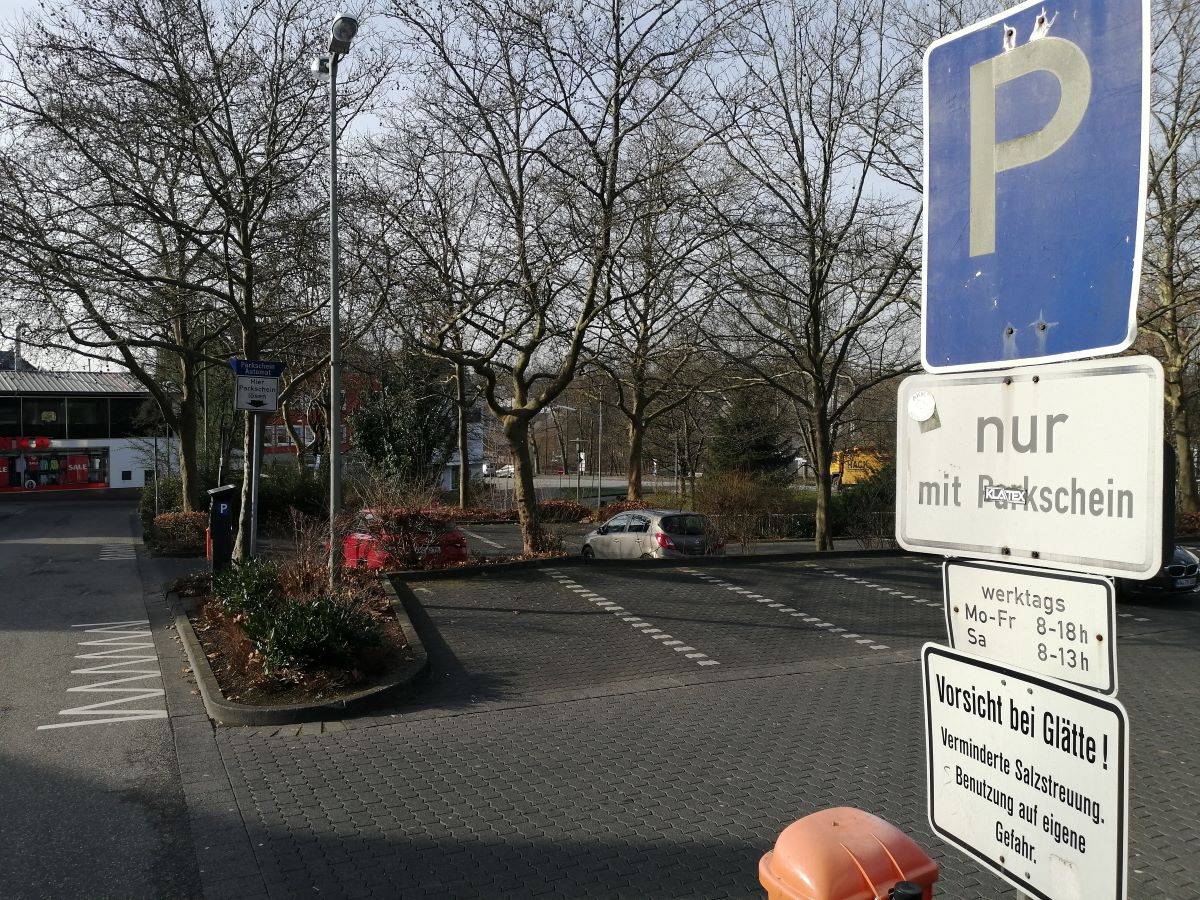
257 394
1049 623
1060 465
1027 775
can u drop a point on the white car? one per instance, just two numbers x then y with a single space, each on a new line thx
506 472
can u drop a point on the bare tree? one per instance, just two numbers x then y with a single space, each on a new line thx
161 200
820 261
513 153
651 336
1170 302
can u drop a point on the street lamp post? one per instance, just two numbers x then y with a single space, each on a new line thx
345 27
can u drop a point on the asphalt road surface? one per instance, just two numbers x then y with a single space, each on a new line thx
90 792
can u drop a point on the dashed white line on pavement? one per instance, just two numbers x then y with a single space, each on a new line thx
482 539
638 623
771 604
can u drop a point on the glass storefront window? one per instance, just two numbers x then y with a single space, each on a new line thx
44 416
87 417
10 416
134 417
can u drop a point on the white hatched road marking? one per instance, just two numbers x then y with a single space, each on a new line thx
640 624
786 610
125 655
118 551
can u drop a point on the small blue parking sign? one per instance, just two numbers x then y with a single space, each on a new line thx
1035 173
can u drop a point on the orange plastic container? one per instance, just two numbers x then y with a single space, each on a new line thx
843 854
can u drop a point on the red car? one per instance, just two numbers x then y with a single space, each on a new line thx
402 540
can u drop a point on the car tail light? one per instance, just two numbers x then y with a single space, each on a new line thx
664 541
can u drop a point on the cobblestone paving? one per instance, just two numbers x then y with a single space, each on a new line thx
675 782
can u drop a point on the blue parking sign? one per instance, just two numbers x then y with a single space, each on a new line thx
1035 185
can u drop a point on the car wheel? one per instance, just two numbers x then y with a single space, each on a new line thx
647 556
589 553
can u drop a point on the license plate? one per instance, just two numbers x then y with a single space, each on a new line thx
1185 582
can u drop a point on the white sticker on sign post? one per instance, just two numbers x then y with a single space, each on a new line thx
1050 623
1027 775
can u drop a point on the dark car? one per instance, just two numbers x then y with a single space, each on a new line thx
654 534
1179 577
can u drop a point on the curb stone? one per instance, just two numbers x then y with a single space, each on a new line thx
229 712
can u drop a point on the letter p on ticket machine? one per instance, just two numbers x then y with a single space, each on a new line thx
846 854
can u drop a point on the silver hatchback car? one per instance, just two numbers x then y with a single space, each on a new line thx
654 534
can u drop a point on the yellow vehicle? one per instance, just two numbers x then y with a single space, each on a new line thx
855 465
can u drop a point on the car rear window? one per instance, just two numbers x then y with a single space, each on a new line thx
685 525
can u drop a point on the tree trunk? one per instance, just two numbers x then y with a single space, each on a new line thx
823 457
1188 498
533 537
464 457
189 468
241 546
637 437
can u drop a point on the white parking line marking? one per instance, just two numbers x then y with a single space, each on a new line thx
636 622
482 539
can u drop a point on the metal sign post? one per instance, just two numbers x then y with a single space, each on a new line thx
1036 150
257 393
1028 775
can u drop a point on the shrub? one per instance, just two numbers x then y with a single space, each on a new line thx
283 489
292 632
180 530
738 502
246 587
561 511
608 510
298 634
170 499
1186 523
868 509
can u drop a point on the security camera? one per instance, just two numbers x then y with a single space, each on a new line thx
320 66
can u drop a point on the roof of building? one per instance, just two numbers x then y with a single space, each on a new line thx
26 383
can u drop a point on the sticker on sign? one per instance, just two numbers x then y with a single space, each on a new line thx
1059 465
1049 623
1028 776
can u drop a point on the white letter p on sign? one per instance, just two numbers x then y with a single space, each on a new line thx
1066 62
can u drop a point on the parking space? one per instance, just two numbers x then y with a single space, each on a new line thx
646 730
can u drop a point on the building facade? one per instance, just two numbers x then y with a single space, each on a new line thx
77 431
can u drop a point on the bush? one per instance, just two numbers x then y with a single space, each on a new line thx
283 489
561 511
180 530
608 510
298 634
1186 523
738 502
868 509
170 499
246 587
292 632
